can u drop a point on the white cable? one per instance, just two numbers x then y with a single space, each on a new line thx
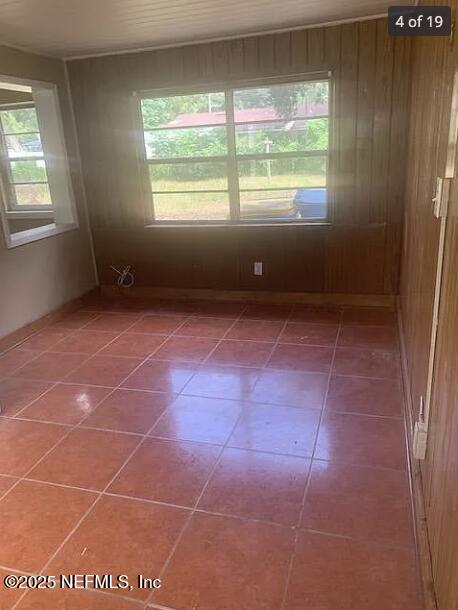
126 279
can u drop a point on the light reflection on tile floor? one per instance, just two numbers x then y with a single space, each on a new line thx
251 456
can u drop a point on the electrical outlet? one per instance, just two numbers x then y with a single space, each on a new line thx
257 268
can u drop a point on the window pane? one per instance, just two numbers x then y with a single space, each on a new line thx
191 206
288 172
282 136
194 142
184 110
188 176
28 171
283 204
19 120
28 145
33 194
281 101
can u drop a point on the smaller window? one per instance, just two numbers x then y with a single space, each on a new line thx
36 188
24 159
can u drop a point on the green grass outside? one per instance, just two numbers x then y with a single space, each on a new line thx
215 206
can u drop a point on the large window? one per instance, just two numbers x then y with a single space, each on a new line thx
257 153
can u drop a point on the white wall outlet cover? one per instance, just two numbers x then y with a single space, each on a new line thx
258 268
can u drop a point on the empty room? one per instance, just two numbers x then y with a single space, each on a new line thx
228 305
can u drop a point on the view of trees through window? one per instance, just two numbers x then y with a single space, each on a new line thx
278 135
23 154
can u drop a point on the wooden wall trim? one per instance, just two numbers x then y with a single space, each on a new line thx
320 298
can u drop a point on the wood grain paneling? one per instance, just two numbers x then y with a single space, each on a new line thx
369 120
435 63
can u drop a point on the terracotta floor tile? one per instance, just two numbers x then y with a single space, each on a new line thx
86 458
50 366
135 345
359 439
301 358
267 311
22 443
8 597
167 471
292 389
104 370
100 304
241 353
160 376
212 328
316 314
14 359
122 536
331 572
255 330
366 363
173 308
277 430
366 396
307 333
15 394
227 563
367 503
75 320
188 349
369 337
370 316
46 338
355 547
35 519
75 599
257 486
112 322
209 420
84 342
158 324
6 483
129 411
213 381
219 310
65 404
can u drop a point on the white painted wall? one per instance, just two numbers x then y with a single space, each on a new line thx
37 278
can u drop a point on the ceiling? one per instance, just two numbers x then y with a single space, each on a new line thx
69 28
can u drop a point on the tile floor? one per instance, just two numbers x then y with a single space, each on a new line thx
252 457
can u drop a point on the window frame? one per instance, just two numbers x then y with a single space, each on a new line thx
54 227
231 158
5 167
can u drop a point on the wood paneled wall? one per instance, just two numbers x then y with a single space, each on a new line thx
435 62
357 253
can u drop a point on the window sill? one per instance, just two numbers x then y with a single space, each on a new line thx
30 235
195 225
26 214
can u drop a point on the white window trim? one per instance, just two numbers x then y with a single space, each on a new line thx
234 201
21 238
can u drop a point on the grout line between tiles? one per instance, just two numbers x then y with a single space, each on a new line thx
147 435
299 521
98 496
101 493
217 461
